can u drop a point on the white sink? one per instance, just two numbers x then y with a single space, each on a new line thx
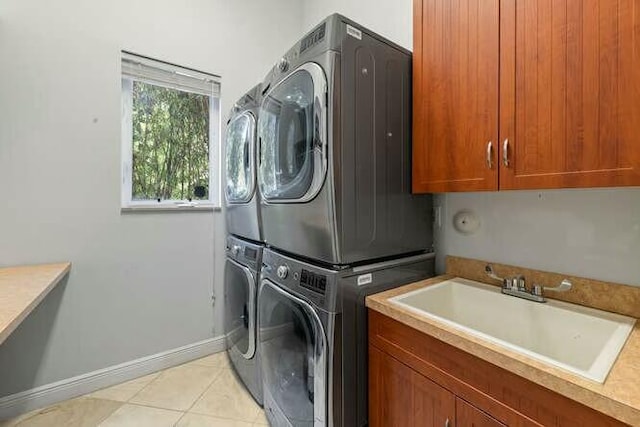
581 340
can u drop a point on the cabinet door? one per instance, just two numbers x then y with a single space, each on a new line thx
570 85
455 95
399 396
470 416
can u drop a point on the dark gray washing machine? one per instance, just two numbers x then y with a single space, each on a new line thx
241 195
313 336
334 133
241 281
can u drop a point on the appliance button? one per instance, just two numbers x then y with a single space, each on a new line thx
283 271
283 65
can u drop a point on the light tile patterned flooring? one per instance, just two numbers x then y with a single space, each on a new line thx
202 393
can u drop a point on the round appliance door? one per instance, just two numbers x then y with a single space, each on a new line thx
240 308
294 357
239 160
292 129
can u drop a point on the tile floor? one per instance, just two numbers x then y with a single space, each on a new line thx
202 393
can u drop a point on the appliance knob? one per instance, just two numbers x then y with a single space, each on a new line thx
283 65
235 250
283 271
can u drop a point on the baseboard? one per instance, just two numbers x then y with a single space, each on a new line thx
48 394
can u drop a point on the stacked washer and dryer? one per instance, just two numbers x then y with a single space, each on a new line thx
336 211
244 244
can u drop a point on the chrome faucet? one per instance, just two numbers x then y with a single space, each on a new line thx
516 286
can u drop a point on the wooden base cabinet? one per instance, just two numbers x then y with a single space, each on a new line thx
469 415
399 396
416 380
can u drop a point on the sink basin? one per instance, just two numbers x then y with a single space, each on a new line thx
578 339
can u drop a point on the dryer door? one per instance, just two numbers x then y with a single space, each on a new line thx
292 132
239 160
240 308
293 349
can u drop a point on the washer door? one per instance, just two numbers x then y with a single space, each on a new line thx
240 308
239 160
294 358
292 129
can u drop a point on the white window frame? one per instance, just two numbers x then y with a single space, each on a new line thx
181 73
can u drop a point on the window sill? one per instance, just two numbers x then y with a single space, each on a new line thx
168 208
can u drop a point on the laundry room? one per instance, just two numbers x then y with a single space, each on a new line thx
319 213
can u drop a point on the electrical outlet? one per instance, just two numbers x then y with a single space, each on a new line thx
437 216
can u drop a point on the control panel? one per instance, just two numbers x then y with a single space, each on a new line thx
245 253
313 38
313 281
251 253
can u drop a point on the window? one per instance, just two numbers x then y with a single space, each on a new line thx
170 135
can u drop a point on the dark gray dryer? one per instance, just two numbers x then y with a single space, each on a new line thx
334 133
241 195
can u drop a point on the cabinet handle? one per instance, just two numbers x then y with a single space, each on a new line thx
490 154
447 423
505 152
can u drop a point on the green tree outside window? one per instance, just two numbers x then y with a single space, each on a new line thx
170 144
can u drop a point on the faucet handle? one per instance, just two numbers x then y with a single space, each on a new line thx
537 290
565 285
488 269
515 283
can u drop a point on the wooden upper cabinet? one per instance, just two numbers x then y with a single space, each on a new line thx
570 93
455 95
559 80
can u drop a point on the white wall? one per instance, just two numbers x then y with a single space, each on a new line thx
590 233
140 283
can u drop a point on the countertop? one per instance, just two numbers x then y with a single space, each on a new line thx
22 289
618 396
